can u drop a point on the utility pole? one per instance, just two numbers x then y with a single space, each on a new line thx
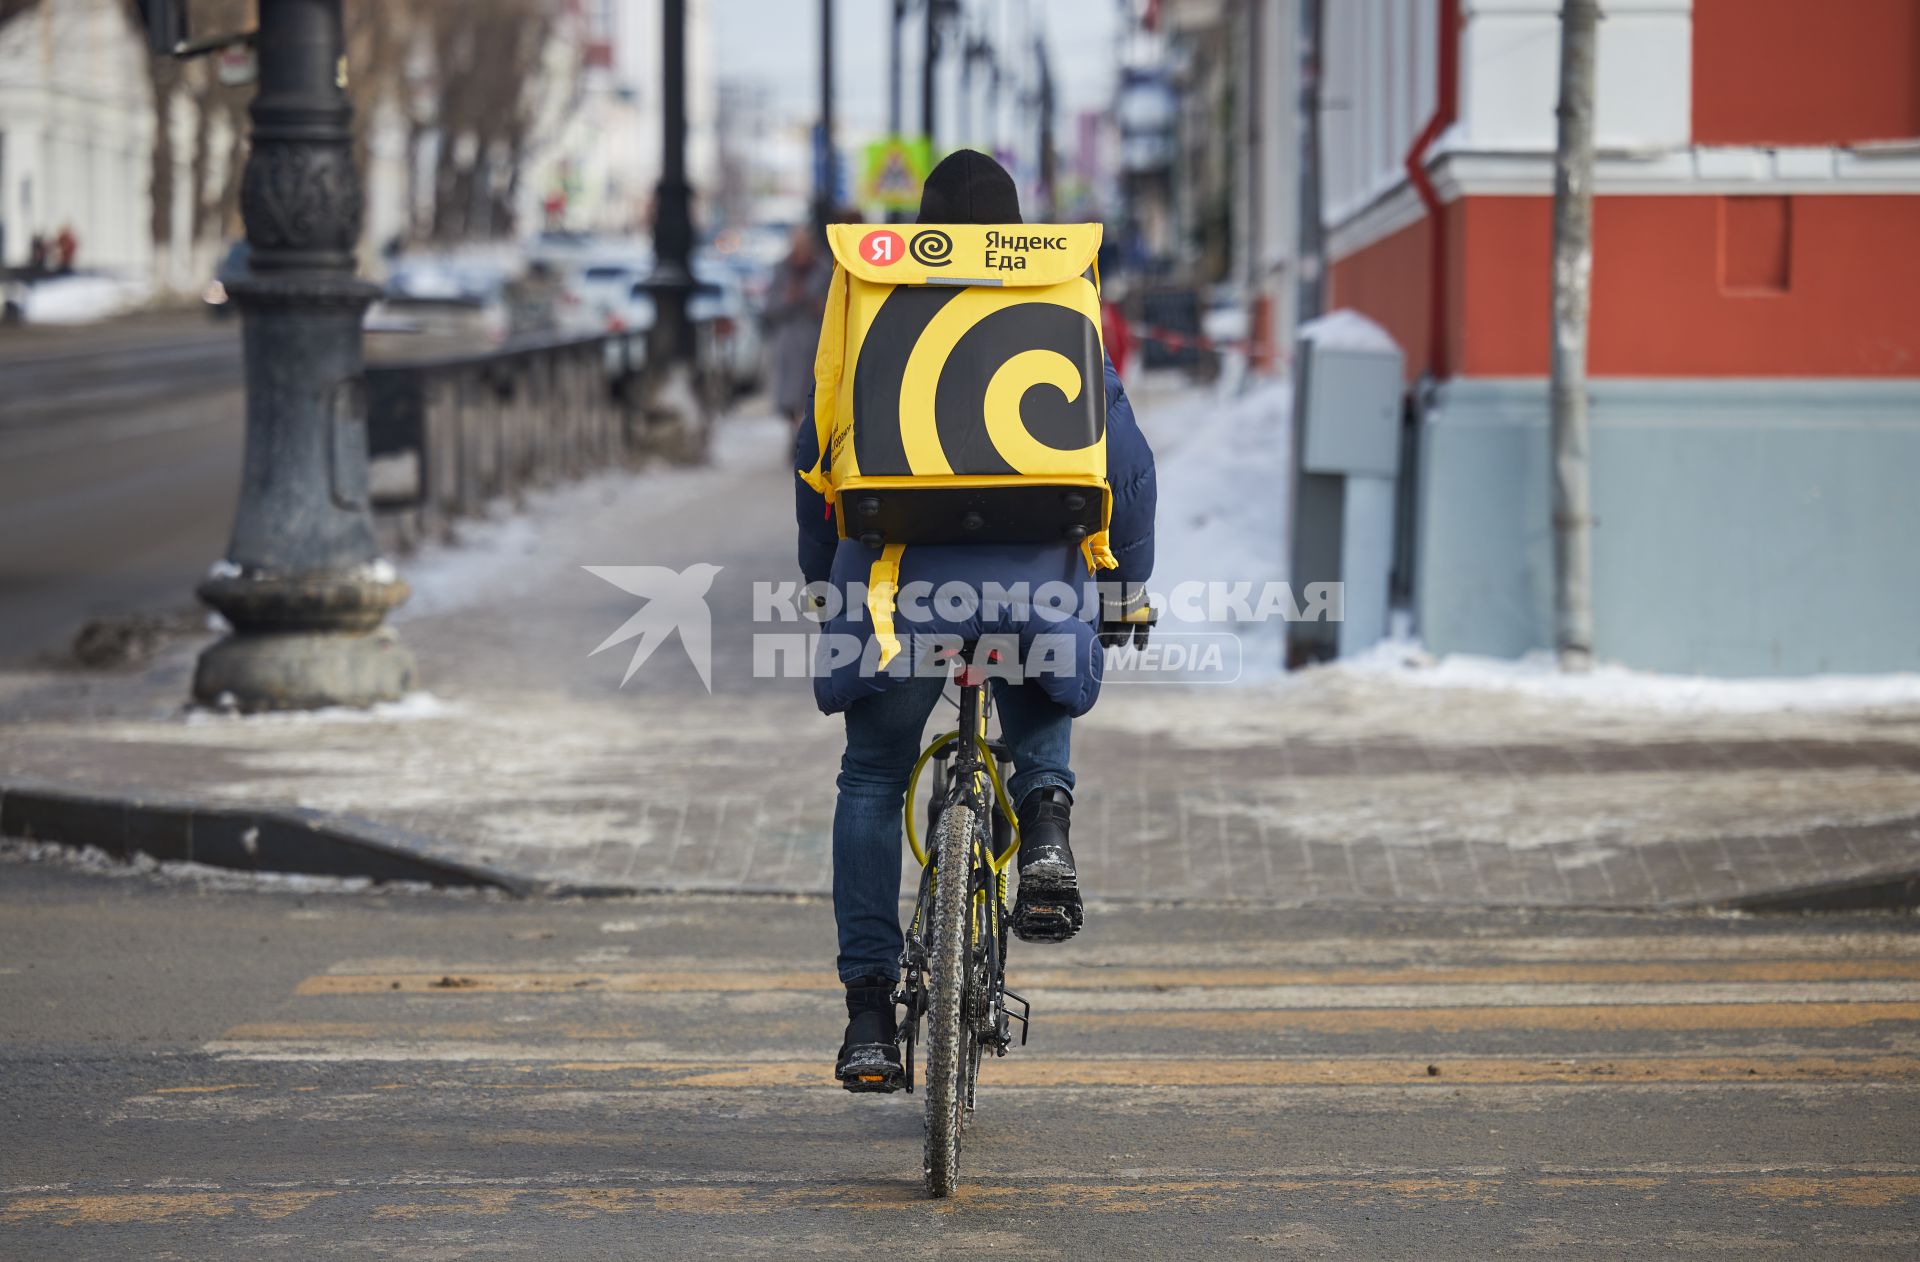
1260 315
894 120
896 123
1572 303
966 88
1318 499
1044 67
823 192
672 277
302 586
1311 266
929 65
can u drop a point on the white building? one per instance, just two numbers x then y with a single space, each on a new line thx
76 135
604 154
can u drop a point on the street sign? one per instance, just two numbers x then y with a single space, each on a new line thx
895 168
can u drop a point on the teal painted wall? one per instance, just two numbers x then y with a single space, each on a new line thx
1745 527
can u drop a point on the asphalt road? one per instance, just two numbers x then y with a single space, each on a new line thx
199 1074
120 449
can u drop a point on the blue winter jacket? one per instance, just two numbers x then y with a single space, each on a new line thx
1069 669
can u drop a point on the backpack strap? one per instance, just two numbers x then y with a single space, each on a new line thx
1098 553
829 357
883 584
1096 547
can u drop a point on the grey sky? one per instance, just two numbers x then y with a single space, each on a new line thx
776 42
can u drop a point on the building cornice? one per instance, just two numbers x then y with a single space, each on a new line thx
1886 167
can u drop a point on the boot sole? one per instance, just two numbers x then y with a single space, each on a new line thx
1048 908
867 1070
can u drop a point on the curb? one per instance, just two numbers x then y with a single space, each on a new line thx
244 838
1880 892
308 842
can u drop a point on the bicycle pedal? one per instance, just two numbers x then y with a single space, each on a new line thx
868 1069
1047 915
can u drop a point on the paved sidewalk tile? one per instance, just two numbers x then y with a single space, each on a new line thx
1329 786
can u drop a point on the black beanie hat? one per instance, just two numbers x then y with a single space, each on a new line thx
969 187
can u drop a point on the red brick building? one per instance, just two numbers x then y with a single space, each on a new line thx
1756 316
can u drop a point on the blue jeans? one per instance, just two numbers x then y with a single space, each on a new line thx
883 739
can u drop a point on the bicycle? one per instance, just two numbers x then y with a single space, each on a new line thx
953 969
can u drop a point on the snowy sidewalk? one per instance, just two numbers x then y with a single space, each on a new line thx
1376 782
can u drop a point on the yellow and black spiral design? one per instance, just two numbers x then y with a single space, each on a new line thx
981 380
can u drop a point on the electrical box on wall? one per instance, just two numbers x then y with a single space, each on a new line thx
1347 407
1349 403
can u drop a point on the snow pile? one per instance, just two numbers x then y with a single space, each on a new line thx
494 559
502 557
1348 331
1539 675
413 707
97 862
1223 467
79 299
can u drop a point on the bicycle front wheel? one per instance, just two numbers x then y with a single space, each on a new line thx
949 1034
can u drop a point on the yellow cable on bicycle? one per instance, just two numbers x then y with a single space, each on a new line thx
997 862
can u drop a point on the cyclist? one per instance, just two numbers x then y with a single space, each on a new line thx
886 712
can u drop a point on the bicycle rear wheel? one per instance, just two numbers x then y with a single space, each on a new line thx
949 1033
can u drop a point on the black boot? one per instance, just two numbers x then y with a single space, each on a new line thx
870 1054
1048 908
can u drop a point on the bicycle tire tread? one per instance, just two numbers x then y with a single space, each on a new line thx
946 985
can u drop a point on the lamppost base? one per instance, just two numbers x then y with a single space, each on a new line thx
253 671
303 641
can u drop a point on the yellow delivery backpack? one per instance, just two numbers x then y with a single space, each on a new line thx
959 393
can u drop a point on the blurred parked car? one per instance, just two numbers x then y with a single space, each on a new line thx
603 292
728 328
460 306
629 311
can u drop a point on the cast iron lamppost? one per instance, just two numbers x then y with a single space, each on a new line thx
826 169
303 585
672 395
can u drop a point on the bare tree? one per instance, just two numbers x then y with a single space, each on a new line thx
220 116
163 83
469 74
1572 300
487 61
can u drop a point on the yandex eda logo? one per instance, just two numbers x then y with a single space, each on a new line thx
932 248
1000 242
882 247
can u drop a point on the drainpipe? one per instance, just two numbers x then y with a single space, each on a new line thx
1445 110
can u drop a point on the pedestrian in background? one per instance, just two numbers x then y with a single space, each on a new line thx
795 302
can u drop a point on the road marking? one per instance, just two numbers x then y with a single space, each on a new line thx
563 981
1162 1071
1261 1193
121 1208
1591 1017
1331 953
1174 997
1585 1017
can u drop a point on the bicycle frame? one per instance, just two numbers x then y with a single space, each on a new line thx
967 773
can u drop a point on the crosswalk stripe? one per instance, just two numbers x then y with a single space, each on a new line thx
1173 997
1090 952
1585 1017
1213 1071
538 981
444 1199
